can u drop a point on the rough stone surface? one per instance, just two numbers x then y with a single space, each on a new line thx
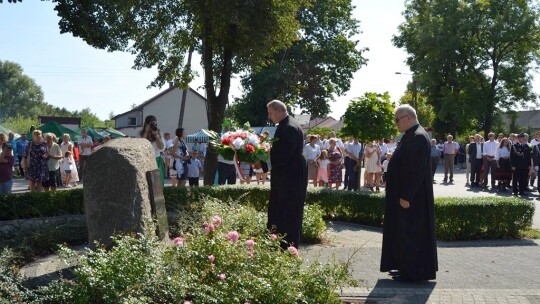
116 193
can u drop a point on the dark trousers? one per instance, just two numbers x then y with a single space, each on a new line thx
519 179
348 171
59 181
353 177
193 181
476 168
489 166
434 164
82 163
19 157
226 173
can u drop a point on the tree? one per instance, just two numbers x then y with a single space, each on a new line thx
424 110
20 124
19 94
313 71
231 36
472 57
370 117
321 131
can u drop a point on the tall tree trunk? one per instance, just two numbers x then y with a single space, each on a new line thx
217 103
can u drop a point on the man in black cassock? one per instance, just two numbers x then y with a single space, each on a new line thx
409 250
288 183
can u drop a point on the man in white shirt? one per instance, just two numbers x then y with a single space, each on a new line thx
449 149
536 140
476 150
489 161
85 149
311 153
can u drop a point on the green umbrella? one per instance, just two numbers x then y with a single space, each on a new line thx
114 133
58 130
96 136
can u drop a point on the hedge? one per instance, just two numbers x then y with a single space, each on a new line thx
456 218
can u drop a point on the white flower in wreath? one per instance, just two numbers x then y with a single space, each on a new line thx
253 139
225 135
238 143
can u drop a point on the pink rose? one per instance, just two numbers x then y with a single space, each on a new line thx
208 228
250 243
222 276
273 236
178 241
232 236
216 220
212 258
293 251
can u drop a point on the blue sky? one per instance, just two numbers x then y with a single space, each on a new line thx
75 75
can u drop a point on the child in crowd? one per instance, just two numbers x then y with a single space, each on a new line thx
194 169
259 172
67 166
322 171
385 167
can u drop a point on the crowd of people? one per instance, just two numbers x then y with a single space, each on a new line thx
502 162
44 161
328 155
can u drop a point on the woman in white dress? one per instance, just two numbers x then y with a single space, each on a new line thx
67 145
373 166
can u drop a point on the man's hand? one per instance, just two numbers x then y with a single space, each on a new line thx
404 203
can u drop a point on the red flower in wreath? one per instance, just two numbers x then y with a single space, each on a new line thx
249 148
226 141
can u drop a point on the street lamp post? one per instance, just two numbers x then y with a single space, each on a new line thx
414 92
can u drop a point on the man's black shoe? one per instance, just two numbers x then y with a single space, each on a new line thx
394 273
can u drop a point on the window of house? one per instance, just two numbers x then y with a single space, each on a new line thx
132 121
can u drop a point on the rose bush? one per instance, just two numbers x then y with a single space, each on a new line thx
223 266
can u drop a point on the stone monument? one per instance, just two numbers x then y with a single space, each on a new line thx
122 191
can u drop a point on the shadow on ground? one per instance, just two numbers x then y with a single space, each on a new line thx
388 290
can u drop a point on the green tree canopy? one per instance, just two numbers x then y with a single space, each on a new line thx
313 71
472 58
370 117
321 131
231 36
19 94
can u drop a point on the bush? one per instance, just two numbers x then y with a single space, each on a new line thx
482 218
30 242
218 265
11 287
456 218
40 204
246 220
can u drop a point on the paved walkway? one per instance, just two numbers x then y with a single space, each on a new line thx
455 189
469 272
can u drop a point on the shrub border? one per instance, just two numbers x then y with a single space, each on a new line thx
456 218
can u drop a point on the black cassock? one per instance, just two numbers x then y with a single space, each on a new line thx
409 241
288 183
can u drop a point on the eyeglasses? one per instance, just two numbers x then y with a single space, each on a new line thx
399 118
